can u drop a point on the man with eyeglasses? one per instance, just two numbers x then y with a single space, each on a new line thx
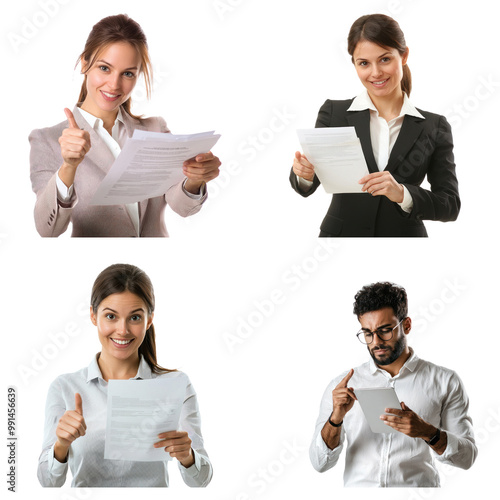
432 423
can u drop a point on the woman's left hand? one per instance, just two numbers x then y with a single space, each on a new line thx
178 444
200 170
383 183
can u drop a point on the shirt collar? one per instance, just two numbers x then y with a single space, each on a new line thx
94 372
95 122
411 363
363 101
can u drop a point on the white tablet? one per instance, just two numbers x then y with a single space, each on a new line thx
374 402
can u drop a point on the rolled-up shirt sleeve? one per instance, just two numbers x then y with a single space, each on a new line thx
461 450
322 457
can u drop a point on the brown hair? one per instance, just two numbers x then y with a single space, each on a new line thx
120 278
110 30
384 31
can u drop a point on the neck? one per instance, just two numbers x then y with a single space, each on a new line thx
389 106
117 369
108 117
395 366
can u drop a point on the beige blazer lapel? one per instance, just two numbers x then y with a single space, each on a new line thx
99 153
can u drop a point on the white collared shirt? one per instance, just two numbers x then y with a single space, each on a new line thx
86 454
435 393
383 136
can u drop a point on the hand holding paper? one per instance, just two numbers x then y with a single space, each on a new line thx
302 167
337 157
383 184
152 162
178 444
200 170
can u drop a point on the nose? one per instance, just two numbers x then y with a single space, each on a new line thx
122 327
114 81
376 70
376 340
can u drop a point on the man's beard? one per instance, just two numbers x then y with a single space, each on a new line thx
392 353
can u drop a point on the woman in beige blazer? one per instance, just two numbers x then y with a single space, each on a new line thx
69 160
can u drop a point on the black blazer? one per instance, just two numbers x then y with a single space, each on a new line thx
423 148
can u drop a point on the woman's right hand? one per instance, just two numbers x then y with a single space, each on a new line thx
70 427
75 144
302 167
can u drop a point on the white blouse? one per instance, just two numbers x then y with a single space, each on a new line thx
86 454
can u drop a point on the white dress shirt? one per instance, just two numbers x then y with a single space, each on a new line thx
115 143
383 136
86 454
435 393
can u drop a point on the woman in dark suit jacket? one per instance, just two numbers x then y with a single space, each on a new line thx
401 144
69 160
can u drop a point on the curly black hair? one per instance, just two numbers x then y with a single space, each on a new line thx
379 295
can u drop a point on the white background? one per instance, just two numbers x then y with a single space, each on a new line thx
254 241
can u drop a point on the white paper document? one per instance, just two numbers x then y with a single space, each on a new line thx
337 157
139 410
148 165
374 402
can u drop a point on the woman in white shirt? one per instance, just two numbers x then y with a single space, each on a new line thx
402 145
69 160
122 309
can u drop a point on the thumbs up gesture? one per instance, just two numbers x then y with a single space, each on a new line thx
75 144
70 427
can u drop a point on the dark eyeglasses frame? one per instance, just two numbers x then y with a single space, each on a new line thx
377 333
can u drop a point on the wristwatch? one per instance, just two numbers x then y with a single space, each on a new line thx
434 439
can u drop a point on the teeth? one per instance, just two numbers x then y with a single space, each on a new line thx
122 342
379 83
111 96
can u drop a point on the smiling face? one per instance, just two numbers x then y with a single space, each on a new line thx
380 69
122 320
386 352
111 80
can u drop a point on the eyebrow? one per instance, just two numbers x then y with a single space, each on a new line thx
131 312
378 328
378 57
109 64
